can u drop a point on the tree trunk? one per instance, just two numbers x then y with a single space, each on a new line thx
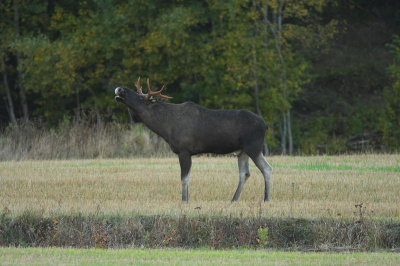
265 148
265 26
286 117
289 132
22 92
265 14
283 136
98 115
257 89
78 105
281 3
7 88
256 92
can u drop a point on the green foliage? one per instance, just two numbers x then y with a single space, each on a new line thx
262 236
391 120
252 54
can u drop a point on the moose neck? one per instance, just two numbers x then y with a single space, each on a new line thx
156 117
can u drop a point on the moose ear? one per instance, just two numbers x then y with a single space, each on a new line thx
152 99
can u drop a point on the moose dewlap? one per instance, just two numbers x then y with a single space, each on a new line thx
190 129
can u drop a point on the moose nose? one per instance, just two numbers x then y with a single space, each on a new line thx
118 91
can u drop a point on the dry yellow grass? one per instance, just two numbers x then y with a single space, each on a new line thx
301 187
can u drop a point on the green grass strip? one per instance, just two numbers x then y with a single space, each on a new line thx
329 167
308 166
55 256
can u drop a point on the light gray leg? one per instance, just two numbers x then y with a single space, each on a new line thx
266 170
244 173
185 161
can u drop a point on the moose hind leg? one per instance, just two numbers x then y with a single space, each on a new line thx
185 160
266 170
244 173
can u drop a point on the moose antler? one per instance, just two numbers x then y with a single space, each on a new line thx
150 93
157 93
139 89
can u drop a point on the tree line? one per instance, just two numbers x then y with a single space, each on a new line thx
320 72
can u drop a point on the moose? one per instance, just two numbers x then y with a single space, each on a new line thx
191 129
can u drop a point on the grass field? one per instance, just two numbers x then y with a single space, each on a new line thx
30 256
309 187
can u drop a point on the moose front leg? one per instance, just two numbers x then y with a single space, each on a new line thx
185 160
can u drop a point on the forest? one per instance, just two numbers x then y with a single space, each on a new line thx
324 74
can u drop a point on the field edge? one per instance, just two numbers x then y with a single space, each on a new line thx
215 232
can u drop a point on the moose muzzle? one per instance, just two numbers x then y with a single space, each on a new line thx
120 92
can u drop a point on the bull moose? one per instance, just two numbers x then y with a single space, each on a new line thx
190 129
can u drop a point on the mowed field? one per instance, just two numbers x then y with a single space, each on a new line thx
308 187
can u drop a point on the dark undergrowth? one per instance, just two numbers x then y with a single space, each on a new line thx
138 231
